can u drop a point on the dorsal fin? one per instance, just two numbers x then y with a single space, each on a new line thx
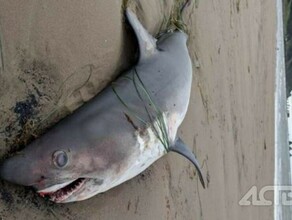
181 148
147 43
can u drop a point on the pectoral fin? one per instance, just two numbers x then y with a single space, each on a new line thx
181 148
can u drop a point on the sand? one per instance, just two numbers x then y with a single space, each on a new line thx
56 55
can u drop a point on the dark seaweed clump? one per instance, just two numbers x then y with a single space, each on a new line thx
25 109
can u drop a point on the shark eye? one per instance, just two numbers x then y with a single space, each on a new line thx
60 159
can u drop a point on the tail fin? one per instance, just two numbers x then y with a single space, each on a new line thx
181 148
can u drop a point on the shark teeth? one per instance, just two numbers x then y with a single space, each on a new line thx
65 192
55 187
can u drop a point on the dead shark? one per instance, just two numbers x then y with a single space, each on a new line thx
120 132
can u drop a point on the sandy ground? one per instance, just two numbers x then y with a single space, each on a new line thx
55 55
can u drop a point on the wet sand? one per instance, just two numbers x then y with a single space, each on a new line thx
57 55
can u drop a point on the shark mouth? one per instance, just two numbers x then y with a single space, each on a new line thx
61 192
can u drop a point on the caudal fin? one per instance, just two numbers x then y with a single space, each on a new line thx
181 148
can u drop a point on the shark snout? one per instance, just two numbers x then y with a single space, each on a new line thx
17 169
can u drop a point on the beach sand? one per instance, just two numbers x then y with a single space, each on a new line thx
56 55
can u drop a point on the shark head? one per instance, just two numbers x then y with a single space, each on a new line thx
63 174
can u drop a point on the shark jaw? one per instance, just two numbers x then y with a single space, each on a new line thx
61 192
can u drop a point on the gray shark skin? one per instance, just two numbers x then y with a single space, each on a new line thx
117 134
